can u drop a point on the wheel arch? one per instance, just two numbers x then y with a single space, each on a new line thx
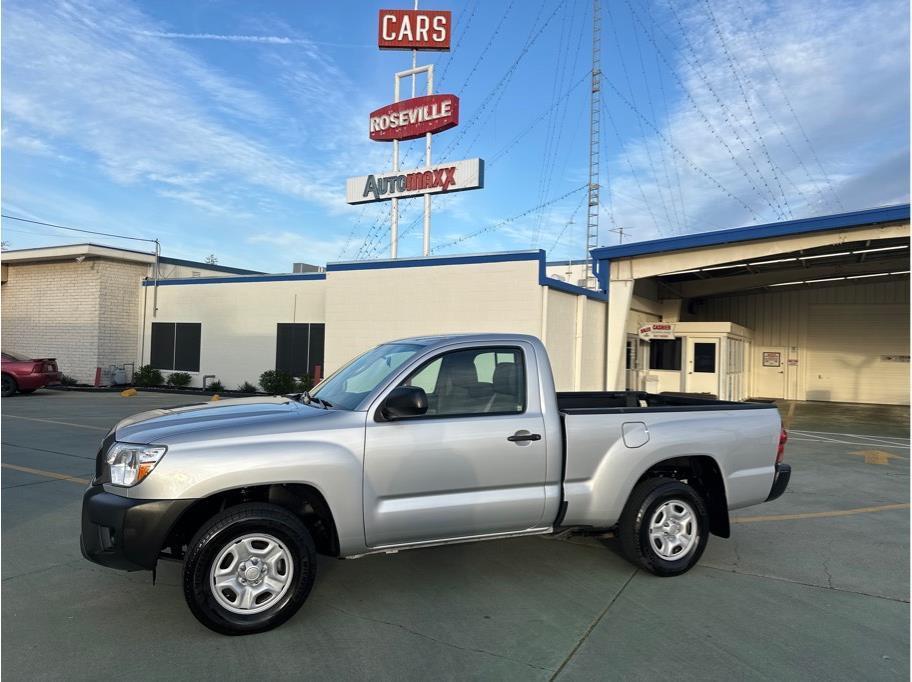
303 500
701 472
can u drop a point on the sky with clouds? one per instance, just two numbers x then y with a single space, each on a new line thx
229 128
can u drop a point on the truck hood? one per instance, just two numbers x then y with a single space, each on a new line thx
167 424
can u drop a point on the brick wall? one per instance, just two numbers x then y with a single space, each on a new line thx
51 310
84 314
118 311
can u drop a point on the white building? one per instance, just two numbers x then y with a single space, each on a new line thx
814 309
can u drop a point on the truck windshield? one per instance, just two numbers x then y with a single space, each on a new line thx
348 386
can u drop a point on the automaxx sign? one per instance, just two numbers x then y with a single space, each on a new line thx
453 176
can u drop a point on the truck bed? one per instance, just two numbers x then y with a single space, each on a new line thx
622 402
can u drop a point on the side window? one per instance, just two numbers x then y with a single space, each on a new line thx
426 377
473 382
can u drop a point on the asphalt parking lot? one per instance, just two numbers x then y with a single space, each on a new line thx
814 585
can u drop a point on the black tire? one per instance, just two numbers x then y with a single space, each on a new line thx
634 526
8 386
215 538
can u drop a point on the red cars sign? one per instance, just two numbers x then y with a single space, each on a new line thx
415 29
412 118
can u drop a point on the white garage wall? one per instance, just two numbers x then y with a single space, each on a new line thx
781 318
855 351
366 307
364 304
238 334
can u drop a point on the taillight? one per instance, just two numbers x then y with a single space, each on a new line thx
783 439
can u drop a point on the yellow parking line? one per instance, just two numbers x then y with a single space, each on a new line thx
819 515
52 421
46 474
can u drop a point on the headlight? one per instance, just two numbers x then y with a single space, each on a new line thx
129 464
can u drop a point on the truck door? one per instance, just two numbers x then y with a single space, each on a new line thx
474 464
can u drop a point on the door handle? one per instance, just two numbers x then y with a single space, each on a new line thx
520 437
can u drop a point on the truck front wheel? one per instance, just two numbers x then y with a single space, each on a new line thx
664 527
249 569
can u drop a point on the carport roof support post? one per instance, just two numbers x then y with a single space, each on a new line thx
620 295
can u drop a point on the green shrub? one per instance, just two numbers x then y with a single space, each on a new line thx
147 375
305 384
216 386
67 380
276 382
179 379
247 387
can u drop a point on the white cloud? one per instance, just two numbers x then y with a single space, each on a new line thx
267 40
844 69
91 76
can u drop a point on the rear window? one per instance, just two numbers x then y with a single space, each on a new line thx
15 357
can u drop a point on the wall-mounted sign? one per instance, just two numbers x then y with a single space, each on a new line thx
772 359
412 118
454 176
657 331
793 362
415 29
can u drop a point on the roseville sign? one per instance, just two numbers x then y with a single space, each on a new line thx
454 176
414 29
412 118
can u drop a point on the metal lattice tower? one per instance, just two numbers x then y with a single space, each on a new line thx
595 115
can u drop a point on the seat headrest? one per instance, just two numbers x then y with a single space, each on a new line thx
505 378
460 370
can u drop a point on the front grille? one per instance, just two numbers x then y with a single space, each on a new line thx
101 471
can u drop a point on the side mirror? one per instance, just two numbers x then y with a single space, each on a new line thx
405 401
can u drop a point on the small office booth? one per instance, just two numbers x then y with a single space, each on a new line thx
710 358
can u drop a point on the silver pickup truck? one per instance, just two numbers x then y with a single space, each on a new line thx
415 443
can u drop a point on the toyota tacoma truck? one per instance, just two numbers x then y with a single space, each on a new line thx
416 443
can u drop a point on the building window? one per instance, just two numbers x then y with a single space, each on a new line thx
665 354
299 349
175 346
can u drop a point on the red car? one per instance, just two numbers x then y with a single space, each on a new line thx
25 374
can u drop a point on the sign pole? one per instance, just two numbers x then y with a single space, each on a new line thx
426 240
394 204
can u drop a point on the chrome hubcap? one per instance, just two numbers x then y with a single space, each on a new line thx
673 530
251 573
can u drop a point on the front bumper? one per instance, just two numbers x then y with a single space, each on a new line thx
119 532
780 481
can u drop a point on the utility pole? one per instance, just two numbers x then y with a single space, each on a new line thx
595 114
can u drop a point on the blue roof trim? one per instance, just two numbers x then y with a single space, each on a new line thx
436 260
508 257
566 287
234 280
872 216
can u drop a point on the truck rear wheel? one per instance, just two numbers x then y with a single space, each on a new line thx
664 527
249 569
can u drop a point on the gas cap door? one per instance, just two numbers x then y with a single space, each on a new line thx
635 434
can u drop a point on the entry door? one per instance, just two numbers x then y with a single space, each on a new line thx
703 366
769 371
455 472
